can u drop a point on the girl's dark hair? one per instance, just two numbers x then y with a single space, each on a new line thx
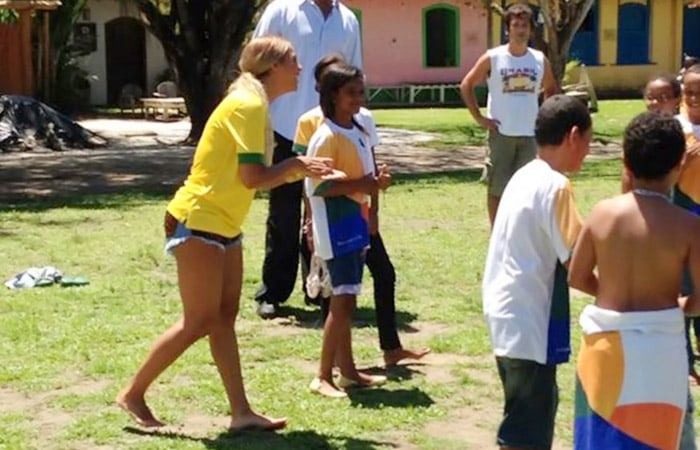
333 78
668 79
325 62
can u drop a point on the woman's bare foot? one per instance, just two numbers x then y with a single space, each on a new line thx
326 388
138 410
254 421
392 357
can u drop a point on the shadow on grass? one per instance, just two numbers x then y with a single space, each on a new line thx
81 194
399 372
251 440
378 398
450 177
363 317
16 198
124 199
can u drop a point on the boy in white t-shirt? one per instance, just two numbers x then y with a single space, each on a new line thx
525 294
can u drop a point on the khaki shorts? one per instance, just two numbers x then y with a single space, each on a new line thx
506 155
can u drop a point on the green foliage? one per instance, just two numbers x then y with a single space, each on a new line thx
8 16
71 84
569 69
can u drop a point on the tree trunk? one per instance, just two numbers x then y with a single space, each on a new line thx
202 90
201 40
560 22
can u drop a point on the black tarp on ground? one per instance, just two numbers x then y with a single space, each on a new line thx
26 123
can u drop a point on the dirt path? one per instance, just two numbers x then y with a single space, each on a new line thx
146 155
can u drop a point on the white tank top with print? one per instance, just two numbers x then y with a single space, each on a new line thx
514 86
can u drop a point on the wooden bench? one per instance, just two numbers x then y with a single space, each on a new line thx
167 106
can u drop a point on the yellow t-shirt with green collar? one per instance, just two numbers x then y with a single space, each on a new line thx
309 122
213 198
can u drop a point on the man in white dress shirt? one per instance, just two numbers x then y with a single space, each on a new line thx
315 28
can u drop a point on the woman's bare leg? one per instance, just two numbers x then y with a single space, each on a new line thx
224 349
200 274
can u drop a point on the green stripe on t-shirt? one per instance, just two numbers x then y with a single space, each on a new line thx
299 149
250 158
340 207
323 187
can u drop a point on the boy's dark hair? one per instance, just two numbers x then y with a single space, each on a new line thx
325 62
521 11
653 145
333 78
668 79
557 116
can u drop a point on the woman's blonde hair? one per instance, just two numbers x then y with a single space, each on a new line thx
255 62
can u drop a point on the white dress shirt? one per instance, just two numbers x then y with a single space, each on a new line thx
313 36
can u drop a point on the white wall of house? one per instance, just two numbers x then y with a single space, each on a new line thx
101 12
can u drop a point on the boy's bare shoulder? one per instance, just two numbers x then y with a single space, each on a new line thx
689 220
608 207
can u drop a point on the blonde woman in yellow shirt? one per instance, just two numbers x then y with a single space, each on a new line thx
203 227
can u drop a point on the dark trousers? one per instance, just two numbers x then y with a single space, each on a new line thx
279 271
306 255
384 279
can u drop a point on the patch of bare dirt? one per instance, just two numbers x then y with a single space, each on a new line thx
49 420
438 368
201 425
306 366
14 401
475 427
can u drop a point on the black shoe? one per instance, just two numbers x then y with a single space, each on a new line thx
267 310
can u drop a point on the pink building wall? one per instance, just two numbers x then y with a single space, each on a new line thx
392 40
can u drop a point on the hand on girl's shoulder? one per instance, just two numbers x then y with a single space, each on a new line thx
335 175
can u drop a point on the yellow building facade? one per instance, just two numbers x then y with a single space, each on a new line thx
625 42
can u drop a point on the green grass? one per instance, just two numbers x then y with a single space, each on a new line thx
67 351
456 127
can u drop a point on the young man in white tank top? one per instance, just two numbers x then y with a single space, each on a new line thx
515 74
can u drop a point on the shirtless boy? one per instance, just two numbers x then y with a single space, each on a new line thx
632 368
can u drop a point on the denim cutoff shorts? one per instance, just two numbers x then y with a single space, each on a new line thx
176 233
346 273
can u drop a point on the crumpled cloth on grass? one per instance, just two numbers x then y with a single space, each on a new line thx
35 276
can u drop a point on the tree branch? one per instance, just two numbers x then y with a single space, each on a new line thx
579 15
157 24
